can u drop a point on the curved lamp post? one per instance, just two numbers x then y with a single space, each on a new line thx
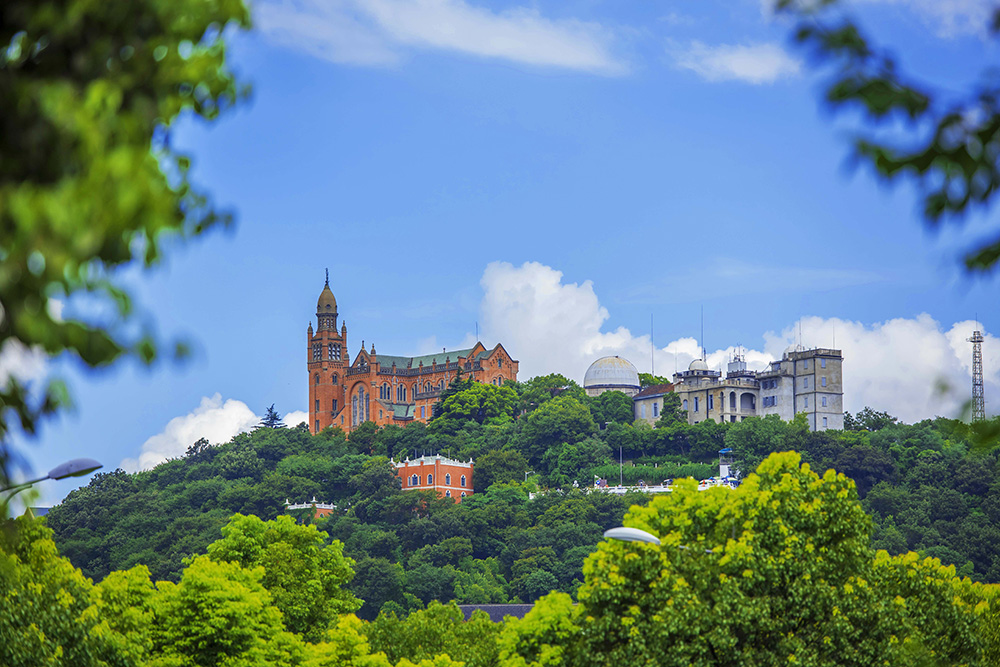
74 468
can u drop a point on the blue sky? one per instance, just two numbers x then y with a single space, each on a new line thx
559 173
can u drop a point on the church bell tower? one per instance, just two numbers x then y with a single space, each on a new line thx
326 361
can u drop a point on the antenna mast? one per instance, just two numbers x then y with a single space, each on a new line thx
978 400
652 360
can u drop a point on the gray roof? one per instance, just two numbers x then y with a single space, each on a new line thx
496 612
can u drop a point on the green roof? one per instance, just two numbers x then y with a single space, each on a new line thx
387 360
403 411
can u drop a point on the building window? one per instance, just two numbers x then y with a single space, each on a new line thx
422 415
334 379
401 394
317 378
711 401
447 494
317 405
317 351
696 404
414 481
822 382
822 363
656 409
380 414
430 479
500 362
317 426
732 418
805 382
642 410
463 482
807 401
824 401
463 494
685 404
334 406
447 479
824 422
805 364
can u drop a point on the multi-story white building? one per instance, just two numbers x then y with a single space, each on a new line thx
803 381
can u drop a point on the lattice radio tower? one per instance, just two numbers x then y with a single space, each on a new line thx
978 401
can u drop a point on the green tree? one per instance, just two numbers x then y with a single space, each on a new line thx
91 181
271 419
542 388
648 380
777 571
474 401
868 420
306 577
439 629
610 407
672 412
562 419
219 613
501 466
45 606
956 164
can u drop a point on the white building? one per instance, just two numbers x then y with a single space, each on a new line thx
803 381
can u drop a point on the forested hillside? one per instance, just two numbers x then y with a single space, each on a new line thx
924 487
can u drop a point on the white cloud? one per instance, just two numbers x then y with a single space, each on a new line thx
897 366
378 32
948 18
213 419
295 417
750 63
20 361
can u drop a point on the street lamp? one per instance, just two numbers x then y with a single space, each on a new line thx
624 534
74 468
631 535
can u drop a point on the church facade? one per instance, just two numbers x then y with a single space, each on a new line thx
384 389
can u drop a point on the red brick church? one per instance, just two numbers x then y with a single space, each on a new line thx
384 389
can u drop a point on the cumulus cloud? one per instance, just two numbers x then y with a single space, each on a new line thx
214 419
20 361
295 417
750 63
898 365
379 32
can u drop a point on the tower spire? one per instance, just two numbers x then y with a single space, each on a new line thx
327 278
978 400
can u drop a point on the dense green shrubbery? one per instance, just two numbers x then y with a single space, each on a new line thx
921 483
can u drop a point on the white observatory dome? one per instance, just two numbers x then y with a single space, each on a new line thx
698 365
611 374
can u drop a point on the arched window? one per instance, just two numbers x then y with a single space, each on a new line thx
463 482
685 404
414 481
447 494
463 492
414 391
317 378
385 392
317 351
334 379
430 480
440 384
447 479
401 394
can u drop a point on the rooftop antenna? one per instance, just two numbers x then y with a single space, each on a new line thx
703 332
477 331
833 323
652 360
978 400
800 332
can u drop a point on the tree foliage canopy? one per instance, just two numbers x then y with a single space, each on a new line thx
90 181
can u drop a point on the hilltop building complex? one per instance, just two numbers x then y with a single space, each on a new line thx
804 381
384 389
